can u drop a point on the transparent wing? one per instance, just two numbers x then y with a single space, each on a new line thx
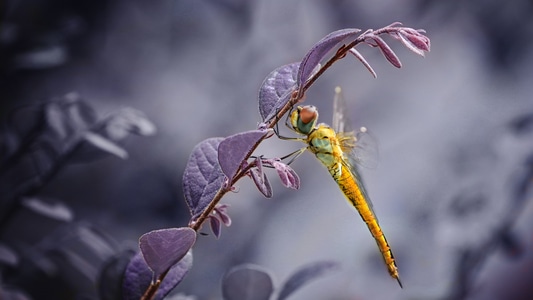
354 170
365 152
340 121
360 146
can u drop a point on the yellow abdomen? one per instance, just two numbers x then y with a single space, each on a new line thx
355 195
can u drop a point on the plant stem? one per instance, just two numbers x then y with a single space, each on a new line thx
221 192
207 211
150 292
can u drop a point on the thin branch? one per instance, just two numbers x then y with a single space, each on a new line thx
196 224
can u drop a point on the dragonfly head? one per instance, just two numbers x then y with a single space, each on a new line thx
303 119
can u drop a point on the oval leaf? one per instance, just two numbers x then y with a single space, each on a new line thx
306 274
235 149
175 276
215 226
138 276
319 51
202 177
288 176
163 248
365 63
408 40
247 282
221 210
261 182
276 89
417 39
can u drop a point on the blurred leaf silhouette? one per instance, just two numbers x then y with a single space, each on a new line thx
254 282
41 140
58 133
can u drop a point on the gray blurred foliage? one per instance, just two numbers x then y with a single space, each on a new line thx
454 145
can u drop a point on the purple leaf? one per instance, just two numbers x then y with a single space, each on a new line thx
138 276
163 248
306 274
202 177
247 282
319 51
224 217
288 176
363 61
220 210
261 182
417 38
386 50
235 149
219 215
414 42
215 226
276 90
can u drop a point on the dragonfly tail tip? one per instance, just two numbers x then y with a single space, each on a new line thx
399 282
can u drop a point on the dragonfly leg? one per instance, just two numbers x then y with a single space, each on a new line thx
276 128
294 155
287 121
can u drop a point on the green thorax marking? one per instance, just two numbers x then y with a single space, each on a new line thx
323 143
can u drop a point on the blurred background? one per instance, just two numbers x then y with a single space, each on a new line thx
455 132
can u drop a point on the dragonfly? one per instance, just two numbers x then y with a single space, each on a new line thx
341 151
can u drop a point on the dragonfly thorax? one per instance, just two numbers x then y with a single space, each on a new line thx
323 139
324 144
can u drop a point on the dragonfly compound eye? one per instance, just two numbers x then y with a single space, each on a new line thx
308 114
